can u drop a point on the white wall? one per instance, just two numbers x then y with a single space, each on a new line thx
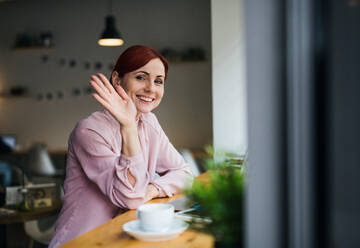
228 76
185 112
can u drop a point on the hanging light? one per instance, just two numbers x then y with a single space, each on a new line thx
110 36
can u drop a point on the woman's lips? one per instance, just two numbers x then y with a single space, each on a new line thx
145 98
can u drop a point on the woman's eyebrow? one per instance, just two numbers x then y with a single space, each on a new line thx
145 72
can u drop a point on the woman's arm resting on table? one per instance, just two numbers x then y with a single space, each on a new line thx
175 173
151 192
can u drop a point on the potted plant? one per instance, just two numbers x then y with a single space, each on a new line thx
221 199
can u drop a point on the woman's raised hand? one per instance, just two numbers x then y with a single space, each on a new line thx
117 102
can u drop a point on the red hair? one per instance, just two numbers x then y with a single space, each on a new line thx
135 57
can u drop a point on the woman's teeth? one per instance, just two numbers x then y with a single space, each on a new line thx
146 99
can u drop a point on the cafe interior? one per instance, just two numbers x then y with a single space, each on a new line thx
271 86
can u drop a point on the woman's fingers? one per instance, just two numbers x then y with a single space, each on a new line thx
120 90
113 99
102 102
100 90
114 111
101 84
106 82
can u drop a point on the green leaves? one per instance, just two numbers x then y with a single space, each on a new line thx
222 200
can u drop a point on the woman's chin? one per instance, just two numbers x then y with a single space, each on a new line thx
144 110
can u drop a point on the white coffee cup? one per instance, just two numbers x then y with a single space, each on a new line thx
155 217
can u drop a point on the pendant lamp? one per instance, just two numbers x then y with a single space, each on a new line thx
110 36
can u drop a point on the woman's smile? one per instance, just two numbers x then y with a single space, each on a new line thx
145 98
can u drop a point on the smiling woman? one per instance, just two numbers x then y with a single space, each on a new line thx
120 157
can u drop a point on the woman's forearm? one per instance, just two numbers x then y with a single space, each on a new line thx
130 141
130 146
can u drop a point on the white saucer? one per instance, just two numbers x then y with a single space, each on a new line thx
176 228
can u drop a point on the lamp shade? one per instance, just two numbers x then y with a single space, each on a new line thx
110 36
40 163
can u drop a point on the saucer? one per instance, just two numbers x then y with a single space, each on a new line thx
176 228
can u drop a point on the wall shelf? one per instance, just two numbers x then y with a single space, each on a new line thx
9 96
33 48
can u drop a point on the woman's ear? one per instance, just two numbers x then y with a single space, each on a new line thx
115 79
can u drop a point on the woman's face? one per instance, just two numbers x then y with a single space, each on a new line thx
145 86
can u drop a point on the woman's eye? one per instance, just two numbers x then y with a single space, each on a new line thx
140 77
158 81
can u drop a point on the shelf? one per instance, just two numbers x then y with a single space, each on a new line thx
9 96
33 48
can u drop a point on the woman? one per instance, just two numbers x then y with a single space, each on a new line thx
120 157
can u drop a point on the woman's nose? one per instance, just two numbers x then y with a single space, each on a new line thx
149 86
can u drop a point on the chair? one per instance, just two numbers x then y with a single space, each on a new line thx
188 157
41 230
40 165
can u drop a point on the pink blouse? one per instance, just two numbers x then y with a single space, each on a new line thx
96 183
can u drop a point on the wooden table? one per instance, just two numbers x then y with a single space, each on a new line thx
111 234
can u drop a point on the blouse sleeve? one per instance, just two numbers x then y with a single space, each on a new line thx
174 173
109 170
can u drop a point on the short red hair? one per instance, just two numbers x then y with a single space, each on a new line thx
135 57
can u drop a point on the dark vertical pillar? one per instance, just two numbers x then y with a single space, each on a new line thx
266 54
343 116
